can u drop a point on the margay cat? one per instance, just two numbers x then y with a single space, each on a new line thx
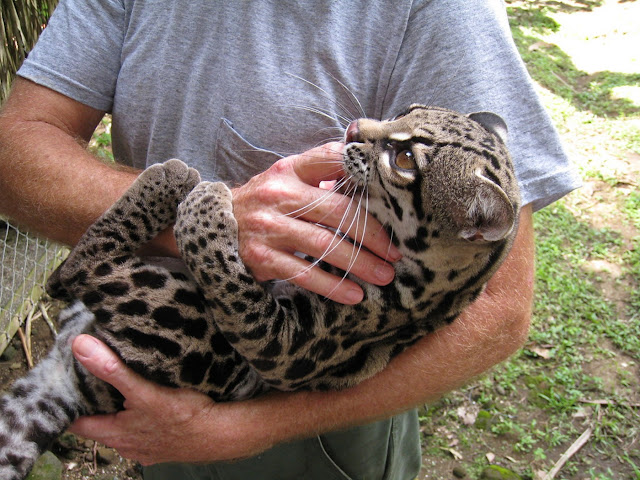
442 184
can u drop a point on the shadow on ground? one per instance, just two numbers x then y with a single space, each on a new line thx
554 69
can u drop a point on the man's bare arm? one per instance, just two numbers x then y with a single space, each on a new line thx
161 424
49 183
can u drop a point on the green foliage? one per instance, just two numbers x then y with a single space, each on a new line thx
632 256
21 22
632 207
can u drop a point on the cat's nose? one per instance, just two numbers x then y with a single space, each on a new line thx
353 133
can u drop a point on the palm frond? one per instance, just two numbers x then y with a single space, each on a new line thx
21 22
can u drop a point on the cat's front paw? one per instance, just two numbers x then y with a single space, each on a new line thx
169 182
206 218
207 233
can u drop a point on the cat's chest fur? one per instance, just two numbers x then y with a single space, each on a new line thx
441 183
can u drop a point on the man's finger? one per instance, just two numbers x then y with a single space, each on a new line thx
320 164
104 364
299 271
324 244
346 215
96 427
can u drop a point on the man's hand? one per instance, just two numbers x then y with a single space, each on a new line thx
279 212
159 424
284 210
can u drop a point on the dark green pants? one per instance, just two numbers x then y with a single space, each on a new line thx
385 450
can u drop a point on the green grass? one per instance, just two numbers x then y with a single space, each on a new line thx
552 68
570 311
632 208
100 144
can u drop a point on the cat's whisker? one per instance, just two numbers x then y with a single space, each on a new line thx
437 91
337 138
346 213
319 201
261 150
391 233
282 154
356 220
356 249
327 138
333 244
343 120
347 113
279 154
340 164
339 129
352 97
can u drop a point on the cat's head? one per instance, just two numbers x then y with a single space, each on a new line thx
432 172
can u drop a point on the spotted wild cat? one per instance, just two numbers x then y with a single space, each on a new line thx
441 183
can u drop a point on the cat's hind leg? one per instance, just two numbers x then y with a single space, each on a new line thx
207 235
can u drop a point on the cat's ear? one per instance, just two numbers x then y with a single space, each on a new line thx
492 122
490 214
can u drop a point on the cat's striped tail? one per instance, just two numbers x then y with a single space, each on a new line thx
41 405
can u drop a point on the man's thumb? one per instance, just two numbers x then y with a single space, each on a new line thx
102 362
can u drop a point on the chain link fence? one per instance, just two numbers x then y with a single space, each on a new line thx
26 262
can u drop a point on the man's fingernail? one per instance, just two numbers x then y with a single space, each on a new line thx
353 296
384 273
84 346
394 254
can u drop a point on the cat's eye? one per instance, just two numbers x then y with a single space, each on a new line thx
405 160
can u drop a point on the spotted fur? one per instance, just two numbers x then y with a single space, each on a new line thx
441 183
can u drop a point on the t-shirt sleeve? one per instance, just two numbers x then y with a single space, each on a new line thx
460 54
78 53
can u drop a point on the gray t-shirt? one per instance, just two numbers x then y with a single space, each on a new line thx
224 85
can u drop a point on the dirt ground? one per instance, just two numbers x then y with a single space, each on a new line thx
81 458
